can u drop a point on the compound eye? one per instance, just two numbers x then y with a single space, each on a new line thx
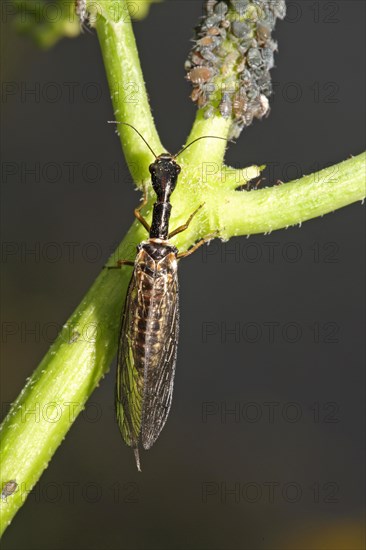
151 168
178 168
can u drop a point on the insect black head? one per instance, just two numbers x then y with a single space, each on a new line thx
165 170
164 174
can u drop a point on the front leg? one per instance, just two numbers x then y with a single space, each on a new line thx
185 225
197 245
119 264
138 215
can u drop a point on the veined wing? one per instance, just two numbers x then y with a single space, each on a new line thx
161 355
130 372
147 350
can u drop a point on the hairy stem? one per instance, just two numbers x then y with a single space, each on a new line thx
57 391
128 91
81 355
265 210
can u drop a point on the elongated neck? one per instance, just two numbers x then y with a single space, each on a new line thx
160 220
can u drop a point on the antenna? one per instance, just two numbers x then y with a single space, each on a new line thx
202 137
137 132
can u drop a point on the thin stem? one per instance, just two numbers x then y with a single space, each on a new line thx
59 388
206 149
262 211
57 391
128 91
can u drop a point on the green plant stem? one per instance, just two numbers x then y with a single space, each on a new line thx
263 211
206 150
128 91
57 391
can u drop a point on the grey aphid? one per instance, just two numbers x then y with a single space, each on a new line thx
211 21
268 57
240 6
208 55
253 92
210 6
208 112
221 9
245 45
8 489
80 9
279 8
225 105
254 58
240 29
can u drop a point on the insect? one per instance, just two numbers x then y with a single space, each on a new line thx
74 337
80 9
150 322
9 488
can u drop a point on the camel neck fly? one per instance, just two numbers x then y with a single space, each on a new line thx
150 323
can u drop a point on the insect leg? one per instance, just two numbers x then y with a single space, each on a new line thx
197 245
137 214
185 226
119 264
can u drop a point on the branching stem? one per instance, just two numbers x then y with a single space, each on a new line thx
57 391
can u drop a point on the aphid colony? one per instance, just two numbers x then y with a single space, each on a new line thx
230 62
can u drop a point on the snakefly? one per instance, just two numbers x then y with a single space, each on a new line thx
150 323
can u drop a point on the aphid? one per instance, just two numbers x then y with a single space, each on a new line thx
199 75
239 104
208 89
209 112
210 4
74 337
196 92
229 60
254 58
241 65
240 29
236 129
263 106
9 488
268 57
253 92
245 45
208 55
221 9
211 21
240 6
265 84
80 9
202 100
196 58
279 8
207 41
225 23
248 116
187 65
214 31
150 323
225 106
263 33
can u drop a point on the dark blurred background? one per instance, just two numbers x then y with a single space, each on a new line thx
263 448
